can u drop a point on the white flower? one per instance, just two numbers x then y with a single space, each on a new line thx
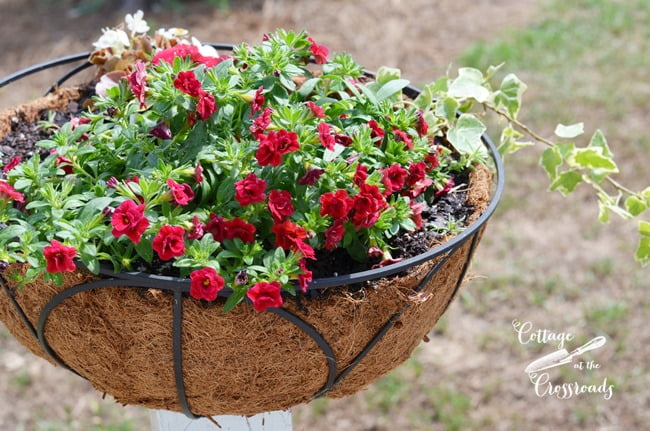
135 23
205 50
172 33
116 40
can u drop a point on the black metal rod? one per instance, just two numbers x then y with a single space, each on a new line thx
177 347
70 74
18 308
43 66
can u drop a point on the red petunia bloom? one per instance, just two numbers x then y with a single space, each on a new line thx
394 178
261 123
446 189
265 295
138 81
161 131
334 234
421 125
325 136
316 110
182 193
184 51
290 236
198 229
402 136
206 284
416 213
250 190
217 227
417 173
12 164
280 205
59 258
267 153
9 193
418 188
198 173
320 52
367 206
65 164
335 204
310 177
360 175
342 139
377 132
238 228
287 142
206 106
432 162
186 82
128 219
169 242
258 101
305 277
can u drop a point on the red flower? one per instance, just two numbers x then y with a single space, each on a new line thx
217 227
335 204
416 213
342 139
267 153
250 190
59 257
65 164
394 178
421 126
287 142
258 101
9 193
198 229
206 284
265 295
290 236
182 193
128 219
325 136
206 106
360 175
367 206
12 164
138 81
198 173
448 186
316 110
320 52
280 204
169 242
310 177
186 82
238 228
432 161
261 123
161 131
305 277
417 173
402 136
377 132
334 234
418 188
184 51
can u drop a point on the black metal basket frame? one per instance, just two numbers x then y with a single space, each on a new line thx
180 287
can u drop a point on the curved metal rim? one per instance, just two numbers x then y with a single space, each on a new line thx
321 283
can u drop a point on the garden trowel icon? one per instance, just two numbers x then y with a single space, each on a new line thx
562 357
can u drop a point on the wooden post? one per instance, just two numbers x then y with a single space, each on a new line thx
162 420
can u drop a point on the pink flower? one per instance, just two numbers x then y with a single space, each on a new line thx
186 82
446 189
416 213
280 205
360 175
206 106
128 219
205 284
12 164
316 110
182 193
169 242
325 136
198 173
265 295
138 81
287 142
250 190
59 257
184 51
9 193
320 52
198 229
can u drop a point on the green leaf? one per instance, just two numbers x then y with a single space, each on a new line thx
469 84
391 88
566 182
386 74
11 232
592 158
510 93
644 228
598 141
635 206
646 196
603 212
234 299
94 206
466 134
308 86
643 251
447 108
425 98
509 143
551 160
144 250
570 131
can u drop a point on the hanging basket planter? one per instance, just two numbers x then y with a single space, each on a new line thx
142 339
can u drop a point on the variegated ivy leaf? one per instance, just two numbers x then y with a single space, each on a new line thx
592 159
635 205
566 182
571 131
387 74
469 85
466 134
643 250
510 93
509 142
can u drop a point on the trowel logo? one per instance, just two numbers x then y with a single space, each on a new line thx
539 370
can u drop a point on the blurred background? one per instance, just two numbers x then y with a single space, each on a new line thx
543 259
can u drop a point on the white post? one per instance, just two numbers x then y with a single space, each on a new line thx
162 420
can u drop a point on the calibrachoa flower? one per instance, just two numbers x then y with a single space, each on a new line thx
325 136
59 257
265 295
335 204
205 284
258 101
12 164
305 277
250 190
206 106
377 132
334 234
198 229
221 229
394 178
186 82
138 81
169 242
184 50
65 164
198 173
290 236
320 52
316 110
422 126
9 193
129 219
402 136
280 205
367 206
182 193
161 131
261 123
310 177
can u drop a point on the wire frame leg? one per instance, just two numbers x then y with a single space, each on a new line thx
162 420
